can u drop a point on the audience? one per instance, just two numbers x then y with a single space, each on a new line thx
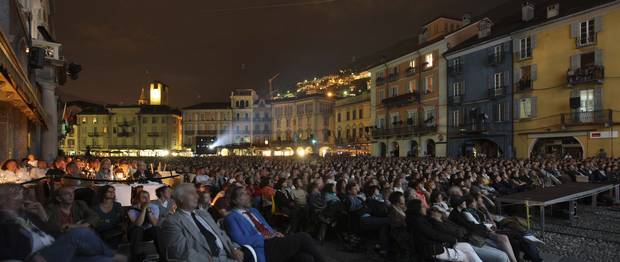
66 213
144 219
111 216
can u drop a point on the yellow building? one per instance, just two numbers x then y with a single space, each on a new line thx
353 122
134 130
566 95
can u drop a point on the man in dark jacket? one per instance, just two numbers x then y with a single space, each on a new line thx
67 213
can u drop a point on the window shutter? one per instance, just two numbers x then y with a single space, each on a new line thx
575 62
598 57
515 46
506 111
534 108
574 30
598 99
506 79
533 40
490 81
494 114
598 24
517 75
515 109
533 70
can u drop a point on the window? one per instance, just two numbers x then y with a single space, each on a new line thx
525 48
361 132
428 85
348 115
381 94
429 117
412 64
154 120
499 112
83 120
395 118
412 118
428 59
393 91
498 80
361 115
497 53
457 89
354 114
587 35
411 86
94 120
586 98
339 119
381 122
456 118
354 133
525 108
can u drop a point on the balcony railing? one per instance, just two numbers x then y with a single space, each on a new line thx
469 128
524 85
455 100
455 69
392 77
95 134
495 59
410 71
585 75
586 118
588 41
207 132
496 92
404 130
401 100
380 81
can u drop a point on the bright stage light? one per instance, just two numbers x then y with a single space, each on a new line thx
301 152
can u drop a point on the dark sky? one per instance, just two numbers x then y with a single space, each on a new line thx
198 47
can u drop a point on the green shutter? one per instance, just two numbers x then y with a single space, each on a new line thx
598 57
533 74
598 99
534 107
574 30
598 24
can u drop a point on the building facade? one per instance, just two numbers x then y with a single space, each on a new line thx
408 94
480 96
304 121
242 104
353 123
567 66
206 124
30 61
132 130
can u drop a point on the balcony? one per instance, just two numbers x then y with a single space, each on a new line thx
207 132
94 134
455 70
585 41
601 117
469 128
124 134
51 50
125 123
524 85
401 100
392 77
152 134
497 92
411 71
380 81
592 73
455 100
398 129
495 59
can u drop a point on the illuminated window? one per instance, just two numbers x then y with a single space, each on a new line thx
94 120
428 59
83 120
412 63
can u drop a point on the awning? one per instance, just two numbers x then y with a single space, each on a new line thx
15 87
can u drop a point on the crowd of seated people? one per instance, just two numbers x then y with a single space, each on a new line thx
258 209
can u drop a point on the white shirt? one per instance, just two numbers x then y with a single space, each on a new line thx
206 225
39 238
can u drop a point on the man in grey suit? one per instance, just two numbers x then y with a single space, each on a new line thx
192 235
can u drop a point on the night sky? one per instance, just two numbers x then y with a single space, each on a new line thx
204 49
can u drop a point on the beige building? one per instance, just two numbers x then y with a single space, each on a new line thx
300 120
352 123
134 130
205 124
